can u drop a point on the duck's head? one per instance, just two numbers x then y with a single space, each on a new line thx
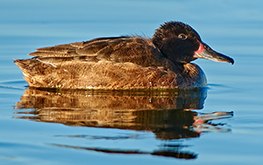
181 43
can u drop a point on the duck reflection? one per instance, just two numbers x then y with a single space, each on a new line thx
165 113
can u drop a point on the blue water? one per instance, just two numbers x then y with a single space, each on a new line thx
70 128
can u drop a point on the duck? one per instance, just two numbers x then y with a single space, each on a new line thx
163 61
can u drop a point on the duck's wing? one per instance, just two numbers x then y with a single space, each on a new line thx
118 49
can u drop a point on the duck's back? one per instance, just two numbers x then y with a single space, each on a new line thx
108 63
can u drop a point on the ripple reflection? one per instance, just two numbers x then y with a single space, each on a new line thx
167 114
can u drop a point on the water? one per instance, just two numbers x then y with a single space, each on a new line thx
76 127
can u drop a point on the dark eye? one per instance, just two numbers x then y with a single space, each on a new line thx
182 36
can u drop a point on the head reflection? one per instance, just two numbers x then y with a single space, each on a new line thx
165 113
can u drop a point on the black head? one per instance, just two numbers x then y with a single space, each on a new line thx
181 43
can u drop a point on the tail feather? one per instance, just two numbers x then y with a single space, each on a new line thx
32 66
33 70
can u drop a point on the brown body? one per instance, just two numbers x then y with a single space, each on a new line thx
129 63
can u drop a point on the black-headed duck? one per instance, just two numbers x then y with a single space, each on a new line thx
125 62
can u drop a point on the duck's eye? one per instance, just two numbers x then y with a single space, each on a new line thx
182 36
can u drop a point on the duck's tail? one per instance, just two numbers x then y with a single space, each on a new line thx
33 70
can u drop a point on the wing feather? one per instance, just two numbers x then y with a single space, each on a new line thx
137 50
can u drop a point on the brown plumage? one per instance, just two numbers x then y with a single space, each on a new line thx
124 62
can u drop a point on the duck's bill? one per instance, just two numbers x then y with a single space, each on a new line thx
205 52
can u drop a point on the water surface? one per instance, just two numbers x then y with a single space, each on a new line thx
81 127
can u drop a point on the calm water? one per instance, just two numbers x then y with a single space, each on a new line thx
94 127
